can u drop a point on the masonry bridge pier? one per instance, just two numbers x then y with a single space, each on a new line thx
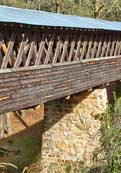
46 56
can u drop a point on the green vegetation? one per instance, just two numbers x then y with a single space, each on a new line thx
111 137
107 158
29 147
104 9
111 120
110 150
24 149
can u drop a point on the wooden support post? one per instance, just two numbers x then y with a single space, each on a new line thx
1 126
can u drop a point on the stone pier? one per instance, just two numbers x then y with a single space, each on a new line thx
71 130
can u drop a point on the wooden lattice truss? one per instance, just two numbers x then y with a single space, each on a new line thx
24 48
20 48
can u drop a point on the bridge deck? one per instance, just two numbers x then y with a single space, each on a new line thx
41 63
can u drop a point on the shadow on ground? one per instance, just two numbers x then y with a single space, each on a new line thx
24 148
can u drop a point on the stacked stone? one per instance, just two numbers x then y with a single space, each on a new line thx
71 130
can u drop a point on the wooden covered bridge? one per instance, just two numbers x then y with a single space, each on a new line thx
46 56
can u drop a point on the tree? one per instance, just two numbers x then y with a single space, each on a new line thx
103 9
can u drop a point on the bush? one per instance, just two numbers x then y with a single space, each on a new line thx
111 137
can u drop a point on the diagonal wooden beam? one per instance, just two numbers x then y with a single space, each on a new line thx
73 43
99 48
41 49
31 51
9 51
57 49
113 46
85 43
77 54
117 45
88 55
65 47
49 51
108 45
21 52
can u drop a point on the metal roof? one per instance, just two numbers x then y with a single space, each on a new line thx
41 18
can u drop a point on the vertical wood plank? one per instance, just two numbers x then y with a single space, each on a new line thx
1 40
117 45
1 126
8 125
119 51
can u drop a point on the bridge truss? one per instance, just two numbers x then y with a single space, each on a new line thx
33 47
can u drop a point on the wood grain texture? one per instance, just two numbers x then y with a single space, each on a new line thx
25 87
19 49
42 65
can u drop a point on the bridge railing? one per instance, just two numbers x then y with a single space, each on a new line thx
33 48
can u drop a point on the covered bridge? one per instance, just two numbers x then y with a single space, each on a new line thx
46 56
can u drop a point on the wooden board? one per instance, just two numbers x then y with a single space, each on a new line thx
28 86
23 49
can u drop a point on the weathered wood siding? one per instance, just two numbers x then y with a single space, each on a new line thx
26 87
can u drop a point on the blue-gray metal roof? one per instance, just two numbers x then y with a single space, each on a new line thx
41 18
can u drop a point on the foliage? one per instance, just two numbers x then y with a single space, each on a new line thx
110 161
68 168
111 137
110 142
104 9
